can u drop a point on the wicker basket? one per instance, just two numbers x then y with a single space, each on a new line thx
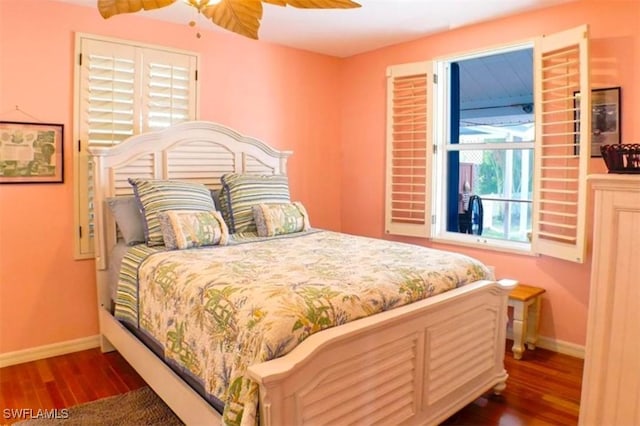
622 158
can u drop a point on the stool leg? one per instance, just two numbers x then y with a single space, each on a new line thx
519 323
532 326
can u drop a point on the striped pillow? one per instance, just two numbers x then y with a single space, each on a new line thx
240 192
155 196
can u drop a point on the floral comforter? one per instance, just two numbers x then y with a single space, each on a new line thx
220 309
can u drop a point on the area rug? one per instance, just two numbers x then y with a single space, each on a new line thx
135 408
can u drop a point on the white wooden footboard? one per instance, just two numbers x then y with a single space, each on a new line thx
418 364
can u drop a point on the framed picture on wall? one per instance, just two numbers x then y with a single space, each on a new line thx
31 152
605 118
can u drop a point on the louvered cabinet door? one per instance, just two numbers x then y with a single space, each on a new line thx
611 381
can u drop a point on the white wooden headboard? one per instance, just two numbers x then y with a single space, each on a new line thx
197 151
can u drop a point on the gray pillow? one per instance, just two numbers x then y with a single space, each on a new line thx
215 195
128 218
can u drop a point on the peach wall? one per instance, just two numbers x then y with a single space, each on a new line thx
615 61
329 111
283 96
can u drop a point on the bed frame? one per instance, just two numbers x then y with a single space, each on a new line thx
417 364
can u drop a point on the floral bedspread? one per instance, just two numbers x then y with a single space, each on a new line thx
220 309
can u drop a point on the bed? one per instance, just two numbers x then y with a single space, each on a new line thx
417 361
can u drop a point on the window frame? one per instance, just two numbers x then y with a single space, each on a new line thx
564 56
140 98
443 146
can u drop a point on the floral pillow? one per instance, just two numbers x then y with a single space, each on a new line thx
183 229
280 219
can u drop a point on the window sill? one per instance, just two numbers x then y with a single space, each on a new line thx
479 242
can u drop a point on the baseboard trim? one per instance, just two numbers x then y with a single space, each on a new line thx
560 346
61 348
47 351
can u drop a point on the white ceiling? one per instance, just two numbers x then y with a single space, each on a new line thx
347 32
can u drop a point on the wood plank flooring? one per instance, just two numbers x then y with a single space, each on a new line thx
543 388
63 381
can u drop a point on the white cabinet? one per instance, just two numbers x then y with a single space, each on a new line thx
611 381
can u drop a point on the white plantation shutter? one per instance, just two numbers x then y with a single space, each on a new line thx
167 89
562 144
124 89
408 140
108 92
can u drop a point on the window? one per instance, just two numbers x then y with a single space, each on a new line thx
122 89
502 164
486 154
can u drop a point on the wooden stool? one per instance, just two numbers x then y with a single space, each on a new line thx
525 301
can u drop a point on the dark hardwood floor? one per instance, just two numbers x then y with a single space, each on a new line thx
63 381
543 388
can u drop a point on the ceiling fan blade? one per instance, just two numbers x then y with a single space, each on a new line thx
108 8
315 4
239 16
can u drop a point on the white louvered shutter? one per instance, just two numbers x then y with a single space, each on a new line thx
408 141
124 89
108 92
168 89
562 144
106 116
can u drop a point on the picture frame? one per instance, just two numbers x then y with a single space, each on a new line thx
605 119
31 152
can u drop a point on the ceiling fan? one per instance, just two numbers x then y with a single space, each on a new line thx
240 16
